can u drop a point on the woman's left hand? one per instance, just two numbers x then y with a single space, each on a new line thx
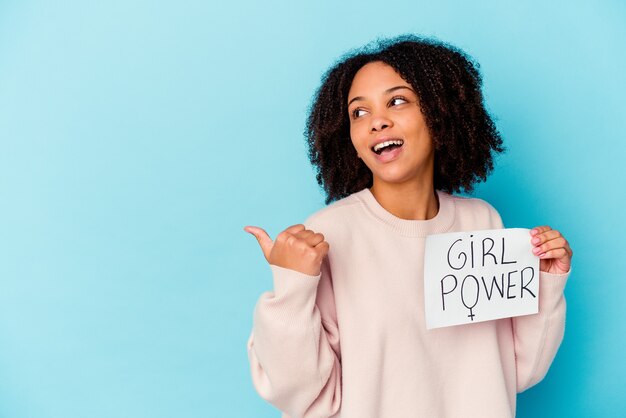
552 248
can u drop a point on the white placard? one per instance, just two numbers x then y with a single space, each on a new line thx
477 276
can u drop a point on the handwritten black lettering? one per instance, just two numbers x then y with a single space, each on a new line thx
494 282
495 260
532 271
509 285
502 258
472 251
443 293
459 257
471 314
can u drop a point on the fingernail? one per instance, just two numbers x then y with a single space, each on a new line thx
535 240
536 250
533 232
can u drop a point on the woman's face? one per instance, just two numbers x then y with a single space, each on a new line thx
383 107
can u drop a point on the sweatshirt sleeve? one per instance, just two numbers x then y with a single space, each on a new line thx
537 337
293 348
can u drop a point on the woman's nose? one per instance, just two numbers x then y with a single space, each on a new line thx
380 122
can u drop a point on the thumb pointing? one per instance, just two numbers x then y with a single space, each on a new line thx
265 241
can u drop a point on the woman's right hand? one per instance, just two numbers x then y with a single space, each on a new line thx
296 248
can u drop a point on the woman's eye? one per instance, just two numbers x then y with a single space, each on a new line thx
401 99
356 114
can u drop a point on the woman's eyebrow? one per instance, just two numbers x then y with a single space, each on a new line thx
392 89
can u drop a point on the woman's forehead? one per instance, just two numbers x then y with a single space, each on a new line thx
374 79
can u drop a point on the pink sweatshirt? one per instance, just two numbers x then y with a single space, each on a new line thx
352 341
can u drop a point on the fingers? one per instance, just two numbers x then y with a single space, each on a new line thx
299 231
294 229
264 240
539 229
549 243
558 253
323 247
310 237
545 236
553 244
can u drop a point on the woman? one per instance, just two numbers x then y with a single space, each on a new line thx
394 130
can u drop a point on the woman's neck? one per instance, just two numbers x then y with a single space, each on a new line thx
408 200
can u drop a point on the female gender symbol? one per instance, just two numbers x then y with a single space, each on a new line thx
471 315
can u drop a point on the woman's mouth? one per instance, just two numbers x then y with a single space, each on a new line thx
388 150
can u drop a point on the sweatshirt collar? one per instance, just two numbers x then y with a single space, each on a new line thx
441 223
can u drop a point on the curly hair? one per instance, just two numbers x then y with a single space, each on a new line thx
448 85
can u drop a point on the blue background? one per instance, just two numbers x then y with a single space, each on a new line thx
138 138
